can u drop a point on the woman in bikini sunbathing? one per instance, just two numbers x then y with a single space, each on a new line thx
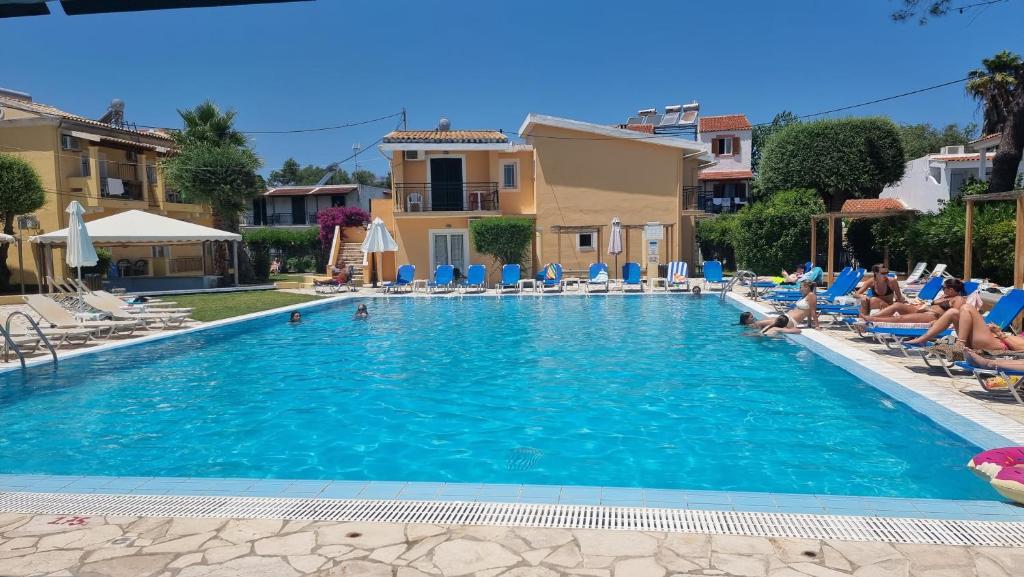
951 299
985 363
973 332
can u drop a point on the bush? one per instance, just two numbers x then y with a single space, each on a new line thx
775 233
506 239
716 237
342 216
300 264
296 242
867 240
103 259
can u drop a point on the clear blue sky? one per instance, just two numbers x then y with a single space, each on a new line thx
487 64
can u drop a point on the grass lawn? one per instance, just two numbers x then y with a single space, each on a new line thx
289 277
215 306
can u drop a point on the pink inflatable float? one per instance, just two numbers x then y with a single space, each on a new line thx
1003 469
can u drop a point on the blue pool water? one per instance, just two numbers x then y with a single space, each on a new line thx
632 392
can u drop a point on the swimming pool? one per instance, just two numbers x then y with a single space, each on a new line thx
628 392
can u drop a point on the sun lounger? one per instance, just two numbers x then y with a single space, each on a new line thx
510 277
597 278
676 276
915 275
631 277
713 275
476 278
550 277
58 317
444 277
102 304
403 280
1014 380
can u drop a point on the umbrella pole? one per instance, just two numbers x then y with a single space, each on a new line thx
378 262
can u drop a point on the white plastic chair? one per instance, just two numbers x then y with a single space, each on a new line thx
414 199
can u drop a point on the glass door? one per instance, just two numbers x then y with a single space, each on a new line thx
449 247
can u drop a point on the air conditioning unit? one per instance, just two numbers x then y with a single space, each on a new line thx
68 142
413 155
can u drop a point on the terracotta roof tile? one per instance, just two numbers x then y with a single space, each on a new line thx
46 109
447 137
726 122
726 175
961 157
860 205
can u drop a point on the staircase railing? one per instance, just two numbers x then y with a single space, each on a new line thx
10 345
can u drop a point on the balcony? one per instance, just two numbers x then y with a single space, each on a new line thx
696 198
121 182
415 197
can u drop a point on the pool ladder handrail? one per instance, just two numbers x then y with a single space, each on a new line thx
742 277
9 343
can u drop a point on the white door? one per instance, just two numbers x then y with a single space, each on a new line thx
449 247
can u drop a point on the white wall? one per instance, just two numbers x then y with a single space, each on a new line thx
918 190
733 162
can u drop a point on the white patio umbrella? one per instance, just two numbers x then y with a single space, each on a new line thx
378 240
80 251
615 241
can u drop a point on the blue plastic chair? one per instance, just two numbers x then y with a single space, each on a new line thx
403 280
550 281
476 278
713 273
631 276
510 276
444 277
593 283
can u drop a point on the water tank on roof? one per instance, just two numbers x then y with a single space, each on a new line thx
444 124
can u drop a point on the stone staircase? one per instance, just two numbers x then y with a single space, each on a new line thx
352 256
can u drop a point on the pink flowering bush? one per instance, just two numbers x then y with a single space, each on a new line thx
342 216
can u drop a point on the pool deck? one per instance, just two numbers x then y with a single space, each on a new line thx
148 546
959 404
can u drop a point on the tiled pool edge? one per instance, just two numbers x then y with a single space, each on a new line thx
727 501
964 417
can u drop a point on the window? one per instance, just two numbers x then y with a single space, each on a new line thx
151 174
586 241
723 146
85 165
510 174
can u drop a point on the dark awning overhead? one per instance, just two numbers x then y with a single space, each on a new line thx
10 8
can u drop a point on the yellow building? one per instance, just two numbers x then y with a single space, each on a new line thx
571 177
105 165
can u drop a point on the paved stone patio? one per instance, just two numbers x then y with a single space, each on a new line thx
159 547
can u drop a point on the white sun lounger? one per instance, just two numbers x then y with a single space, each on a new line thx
114 309
58 317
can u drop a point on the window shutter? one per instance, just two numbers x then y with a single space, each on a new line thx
736 146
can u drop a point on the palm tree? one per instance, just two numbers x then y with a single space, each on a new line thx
993 87
999 88
206 123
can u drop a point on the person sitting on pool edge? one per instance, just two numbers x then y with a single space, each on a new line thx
295 317
361 312
804 310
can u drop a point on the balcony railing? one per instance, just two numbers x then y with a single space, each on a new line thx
696 198
128 174
457 197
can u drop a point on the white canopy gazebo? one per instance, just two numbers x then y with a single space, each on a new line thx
135 227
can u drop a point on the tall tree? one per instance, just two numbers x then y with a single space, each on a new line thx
999 88
293 174
214 165
762 132
21 192
925 10
840 159
288 175
921 139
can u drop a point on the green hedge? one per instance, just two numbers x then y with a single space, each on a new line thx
301 248
507 239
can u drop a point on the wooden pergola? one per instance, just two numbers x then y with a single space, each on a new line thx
599 229
832 217
1018 244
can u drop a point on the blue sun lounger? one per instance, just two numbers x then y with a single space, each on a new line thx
631 277
713 274
829 294
550 277
476 278
1014 379
597 277
444 278
849 315
510 277
403 281
676 276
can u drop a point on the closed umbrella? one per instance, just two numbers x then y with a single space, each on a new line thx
378 240
615 241
80 251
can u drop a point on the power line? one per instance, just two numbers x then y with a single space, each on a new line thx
302 130
961 9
